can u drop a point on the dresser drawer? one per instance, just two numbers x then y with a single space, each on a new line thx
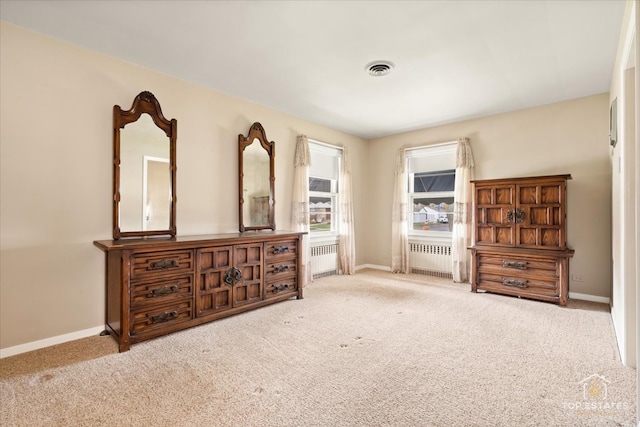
280 287
279 250
160 318
280 269
153 263
160 290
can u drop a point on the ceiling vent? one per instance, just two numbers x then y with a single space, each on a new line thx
379 68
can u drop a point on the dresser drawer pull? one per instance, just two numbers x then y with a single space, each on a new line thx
164 317
514 283
515 264
164 291
281 287
280 268
164 264
280 249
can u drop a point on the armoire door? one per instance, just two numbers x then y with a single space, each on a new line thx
493 222
540 215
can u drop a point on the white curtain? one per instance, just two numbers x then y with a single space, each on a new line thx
399 226
462 213
300 202
346 242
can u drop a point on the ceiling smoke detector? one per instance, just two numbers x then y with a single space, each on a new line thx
379 68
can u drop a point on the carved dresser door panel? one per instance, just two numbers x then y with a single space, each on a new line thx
248 260
213 294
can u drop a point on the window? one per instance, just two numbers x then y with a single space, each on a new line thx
431 173
324 173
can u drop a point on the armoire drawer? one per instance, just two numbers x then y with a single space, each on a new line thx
517 285
160 290
505 265
154 263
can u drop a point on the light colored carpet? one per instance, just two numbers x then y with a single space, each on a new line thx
371 349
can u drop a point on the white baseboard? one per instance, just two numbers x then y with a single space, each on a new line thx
587 297
48 342
373 266
572 295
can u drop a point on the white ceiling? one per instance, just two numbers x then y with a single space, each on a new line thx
454 60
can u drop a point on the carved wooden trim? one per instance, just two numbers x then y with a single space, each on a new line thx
256 131
145 102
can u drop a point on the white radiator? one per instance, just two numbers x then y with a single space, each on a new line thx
324 260
431 259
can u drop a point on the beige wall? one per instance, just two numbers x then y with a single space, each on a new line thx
55 173
567 137
625 186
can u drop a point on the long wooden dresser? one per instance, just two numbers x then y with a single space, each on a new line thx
156 286
519 238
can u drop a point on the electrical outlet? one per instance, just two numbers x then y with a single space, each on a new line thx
576 278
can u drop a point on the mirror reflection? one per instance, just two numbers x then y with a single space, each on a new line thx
145 177
256 185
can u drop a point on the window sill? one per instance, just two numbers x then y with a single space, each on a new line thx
430 238
322 239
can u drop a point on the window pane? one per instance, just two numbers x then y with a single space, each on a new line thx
424 182
320 184
433 213
320 210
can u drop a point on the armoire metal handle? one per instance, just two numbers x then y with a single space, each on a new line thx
515 264
514 283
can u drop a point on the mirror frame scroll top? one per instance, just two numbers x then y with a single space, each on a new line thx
144 102
256 132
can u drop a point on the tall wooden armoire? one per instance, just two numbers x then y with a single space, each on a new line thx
520 237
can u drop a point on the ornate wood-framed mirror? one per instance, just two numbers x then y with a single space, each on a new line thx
256 159
144 170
